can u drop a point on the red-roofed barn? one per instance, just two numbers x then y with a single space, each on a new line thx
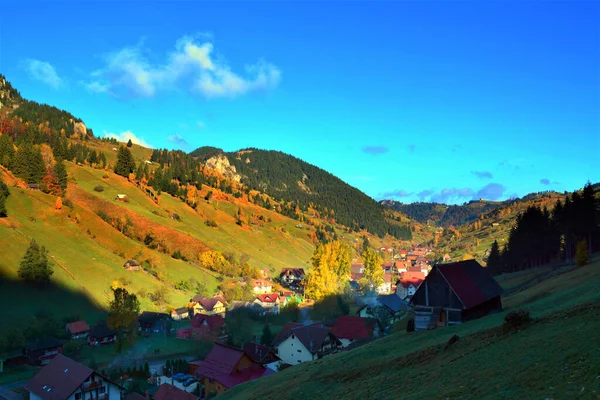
349 329
455 293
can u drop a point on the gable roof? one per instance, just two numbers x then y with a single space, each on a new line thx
261 283
355 328
221 359
268 298
102 330
256 352
412 275
297 272
245 375
7 394
180 311
311 336
43 344
283 333
407 283
59 379
393 302
471 283
78 327
208 303
170 392
356 268
214 322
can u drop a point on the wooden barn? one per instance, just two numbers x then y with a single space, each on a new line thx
455 293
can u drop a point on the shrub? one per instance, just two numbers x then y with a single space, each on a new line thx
178 256
99 188
211 222
104 216
105 176
67 203
517 319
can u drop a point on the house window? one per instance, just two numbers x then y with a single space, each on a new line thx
299 351
77 396
102 390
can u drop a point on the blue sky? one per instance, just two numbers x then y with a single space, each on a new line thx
442 101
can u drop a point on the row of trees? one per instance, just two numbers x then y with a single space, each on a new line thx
4 193
540 236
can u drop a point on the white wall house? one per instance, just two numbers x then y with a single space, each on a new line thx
292 351
66 379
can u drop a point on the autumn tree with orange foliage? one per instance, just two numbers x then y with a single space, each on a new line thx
58 204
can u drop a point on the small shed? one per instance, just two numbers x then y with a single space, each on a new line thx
132 265
121 197
455 293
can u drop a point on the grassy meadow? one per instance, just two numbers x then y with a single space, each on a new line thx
551 358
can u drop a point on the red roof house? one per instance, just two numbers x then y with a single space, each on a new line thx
78 329
350 328
170 392
225 367
205 327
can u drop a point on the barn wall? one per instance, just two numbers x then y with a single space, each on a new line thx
440 294
491 306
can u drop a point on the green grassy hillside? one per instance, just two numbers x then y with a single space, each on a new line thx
551 358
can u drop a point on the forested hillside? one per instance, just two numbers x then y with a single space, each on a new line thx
289 179
442 214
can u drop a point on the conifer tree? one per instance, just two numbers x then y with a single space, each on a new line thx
267 336
494 262
3 211
125 162
61 174
35 267
129 143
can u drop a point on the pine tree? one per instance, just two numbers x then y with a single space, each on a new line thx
61 174
3 211
494 262
125 162
34 267
267 336
4 189
129 143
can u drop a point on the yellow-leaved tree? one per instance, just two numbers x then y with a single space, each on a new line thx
215 261
373 270
331 267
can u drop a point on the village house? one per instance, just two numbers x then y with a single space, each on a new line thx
246 305
402 266
297 343
121 197
349 329
291 276
225 367
455 293
42 351
180 313
386 286
207 327
269 302
261 286
407 288
151 321
170 392
262 355
394 308
101 334
78 329
208 306
66 379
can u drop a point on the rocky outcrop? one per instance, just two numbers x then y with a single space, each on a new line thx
221 164
80 129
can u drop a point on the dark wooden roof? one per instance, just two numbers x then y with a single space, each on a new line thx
59 379
101 330
472 283
43 344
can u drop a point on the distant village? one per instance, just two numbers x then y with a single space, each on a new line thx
429 296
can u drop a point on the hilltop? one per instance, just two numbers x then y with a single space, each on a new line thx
551 358
442 214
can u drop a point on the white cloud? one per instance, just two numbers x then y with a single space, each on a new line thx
43 71
201 124
126 136
191 63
